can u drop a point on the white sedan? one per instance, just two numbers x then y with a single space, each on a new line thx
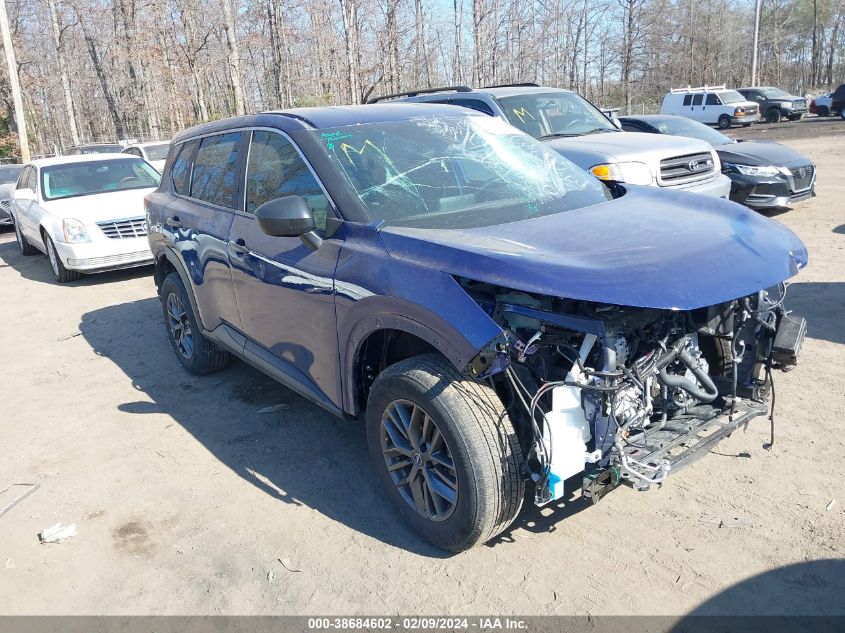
86 213
154 153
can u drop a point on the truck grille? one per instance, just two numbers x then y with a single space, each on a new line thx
131 227
802 177
688 168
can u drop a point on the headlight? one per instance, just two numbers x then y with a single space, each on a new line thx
74 231
633 173
752 170
787 104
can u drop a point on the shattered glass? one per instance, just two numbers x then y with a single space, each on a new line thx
461 171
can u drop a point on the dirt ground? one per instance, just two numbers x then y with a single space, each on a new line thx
188 500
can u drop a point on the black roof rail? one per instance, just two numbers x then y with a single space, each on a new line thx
414 93
524 84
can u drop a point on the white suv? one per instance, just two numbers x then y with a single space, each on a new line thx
713 105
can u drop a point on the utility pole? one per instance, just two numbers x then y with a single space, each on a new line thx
13 82
756 42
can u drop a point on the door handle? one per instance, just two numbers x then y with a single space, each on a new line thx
174 222
238 248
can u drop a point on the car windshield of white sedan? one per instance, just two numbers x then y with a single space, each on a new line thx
460 172
554 115
91 177
157 152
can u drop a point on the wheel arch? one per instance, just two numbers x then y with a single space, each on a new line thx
167 262
381 339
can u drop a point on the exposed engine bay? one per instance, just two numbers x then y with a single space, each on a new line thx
628 394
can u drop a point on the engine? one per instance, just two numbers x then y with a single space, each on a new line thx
619 393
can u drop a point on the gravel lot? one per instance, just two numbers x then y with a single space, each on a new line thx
189 500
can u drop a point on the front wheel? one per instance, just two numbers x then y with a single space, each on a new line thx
446 452
724 122
773 116
62 274
195 352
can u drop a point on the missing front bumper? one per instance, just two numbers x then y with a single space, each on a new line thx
685 439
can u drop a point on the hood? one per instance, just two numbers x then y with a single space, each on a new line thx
591 149
649 248
113 205
761 153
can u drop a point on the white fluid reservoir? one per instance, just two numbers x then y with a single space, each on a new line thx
566 433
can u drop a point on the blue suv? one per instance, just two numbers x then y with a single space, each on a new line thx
502 321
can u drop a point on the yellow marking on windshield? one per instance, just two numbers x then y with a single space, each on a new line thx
522 112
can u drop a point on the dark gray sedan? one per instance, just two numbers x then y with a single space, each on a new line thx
8 179
763 174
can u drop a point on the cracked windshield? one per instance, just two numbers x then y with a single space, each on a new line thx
554 115
460 172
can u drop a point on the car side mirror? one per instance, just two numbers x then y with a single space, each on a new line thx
288 217
25 194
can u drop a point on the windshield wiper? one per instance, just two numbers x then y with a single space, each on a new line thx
596 130
557 135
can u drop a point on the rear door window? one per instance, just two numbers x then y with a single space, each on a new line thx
180 172
696 99
275 170
215 174
687 100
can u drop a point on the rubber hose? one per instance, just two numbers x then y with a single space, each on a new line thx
706 394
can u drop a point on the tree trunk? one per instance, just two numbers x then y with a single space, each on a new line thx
60 57
233 56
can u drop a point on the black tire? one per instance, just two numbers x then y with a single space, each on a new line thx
773 115
61 274
724 122
195 352
823 111
746 125
842 114
27 249
476 436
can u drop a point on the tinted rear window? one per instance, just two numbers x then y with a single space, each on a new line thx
687 99
181 170
215 177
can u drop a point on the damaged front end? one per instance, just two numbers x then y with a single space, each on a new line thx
628 394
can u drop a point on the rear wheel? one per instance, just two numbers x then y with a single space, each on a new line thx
195 352
27 249
62 274
773 116
724 122
446 452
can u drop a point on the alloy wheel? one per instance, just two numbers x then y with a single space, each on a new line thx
419 460
180 326
51 253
